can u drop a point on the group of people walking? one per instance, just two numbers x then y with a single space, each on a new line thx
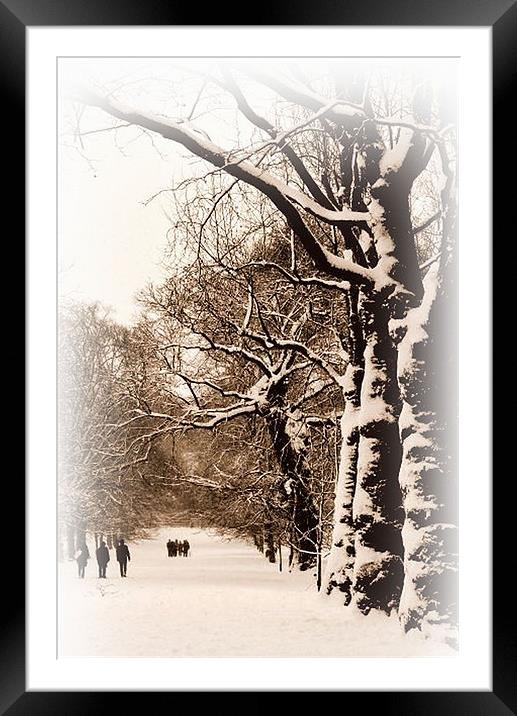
103 557
175 548
178 548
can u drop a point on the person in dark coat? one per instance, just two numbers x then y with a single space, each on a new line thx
103 557
186 547
122 557
82 559
169 548
174 548
177 547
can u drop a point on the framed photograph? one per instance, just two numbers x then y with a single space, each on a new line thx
259 300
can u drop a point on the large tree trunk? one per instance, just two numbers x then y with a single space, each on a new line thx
428 475
427 372
366 560
390 222
377 504
340 564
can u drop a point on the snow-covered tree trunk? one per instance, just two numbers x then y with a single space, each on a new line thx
390 222
340 564
377 504
426 376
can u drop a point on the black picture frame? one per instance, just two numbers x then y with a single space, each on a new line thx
15 17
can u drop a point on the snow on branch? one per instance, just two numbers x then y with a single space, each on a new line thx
261 363
270 343
283 196
199 144
406 159
210 384
323 420
294 278
287 149
437 135
430 261
202 418
219 415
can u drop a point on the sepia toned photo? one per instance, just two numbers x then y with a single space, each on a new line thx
257 357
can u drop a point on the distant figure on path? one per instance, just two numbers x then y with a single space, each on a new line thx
186 547
169 547
82 559
177 548
103 557
122 557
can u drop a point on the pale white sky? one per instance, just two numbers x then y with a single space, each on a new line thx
110 243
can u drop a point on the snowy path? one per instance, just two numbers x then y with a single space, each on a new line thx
224 600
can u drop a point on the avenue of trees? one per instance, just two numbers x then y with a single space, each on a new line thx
293 379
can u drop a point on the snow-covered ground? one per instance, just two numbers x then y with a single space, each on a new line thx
224 600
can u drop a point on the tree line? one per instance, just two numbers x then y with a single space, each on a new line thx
293 379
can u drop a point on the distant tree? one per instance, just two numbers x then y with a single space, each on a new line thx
105 473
